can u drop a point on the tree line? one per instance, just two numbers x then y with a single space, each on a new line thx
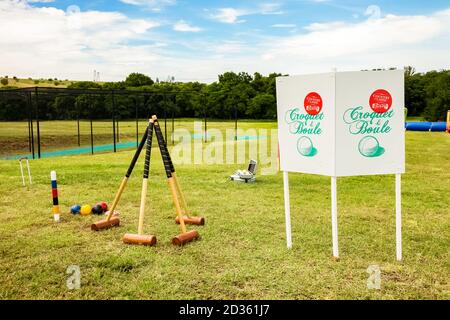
427 94
234 95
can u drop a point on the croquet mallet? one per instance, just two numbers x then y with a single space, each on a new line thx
185 236
188 219
140 238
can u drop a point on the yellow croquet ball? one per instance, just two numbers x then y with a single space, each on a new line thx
86 210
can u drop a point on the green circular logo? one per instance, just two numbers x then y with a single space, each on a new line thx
305 147
370 147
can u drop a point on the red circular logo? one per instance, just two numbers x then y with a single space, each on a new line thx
380 101
313 103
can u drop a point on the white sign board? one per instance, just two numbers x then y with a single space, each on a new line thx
306 124
370 123
342 124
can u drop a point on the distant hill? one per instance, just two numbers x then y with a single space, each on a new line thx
25 83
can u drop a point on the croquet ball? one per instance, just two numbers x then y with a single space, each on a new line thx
116 213
97 209
86 210
75 209
104 206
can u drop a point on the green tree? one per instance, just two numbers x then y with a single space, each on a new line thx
138 80
64 108
13 108
414 92
263 105
4 81
437 96
85 85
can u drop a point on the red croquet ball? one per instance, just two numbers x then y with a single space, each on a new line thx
104 206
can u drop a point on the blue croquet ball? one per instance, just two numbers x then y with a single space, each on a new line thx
75 209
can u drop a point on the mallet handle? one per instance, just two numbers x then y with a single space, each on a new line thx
177 203
164 153
148 151
164 145
183 199
117 197
137 153
142 207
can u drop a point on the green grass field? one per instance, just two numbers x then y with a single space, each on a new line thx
242 251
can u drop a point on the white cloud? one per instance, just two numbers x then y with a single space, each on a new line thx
229 15
224 48
283 25
232 15
270 8
154 5
183 26
149 3
48 42
339 38
391 41
384 42
324 26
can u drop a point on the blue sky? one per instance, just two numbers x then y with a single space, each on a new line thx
196 40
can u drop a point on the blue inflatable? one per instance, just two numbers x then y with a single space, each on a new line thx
438 126
425 126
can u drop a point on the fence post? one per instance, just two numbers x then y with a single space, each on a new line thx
37 121
235 123
173 127
92 130
78 122
117 132
137 122
30 109
29 134
113 119
165 121
29 125
205 117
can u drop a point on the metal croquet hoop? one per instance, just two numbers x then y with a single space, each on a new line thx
21 171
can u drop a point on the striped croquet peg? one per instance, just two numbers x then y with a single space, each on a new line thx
55 210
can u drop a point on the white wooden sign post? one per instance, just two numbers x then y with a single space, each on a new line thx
342 124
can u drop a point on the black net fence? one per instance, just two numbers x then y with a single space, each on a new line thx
46 122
